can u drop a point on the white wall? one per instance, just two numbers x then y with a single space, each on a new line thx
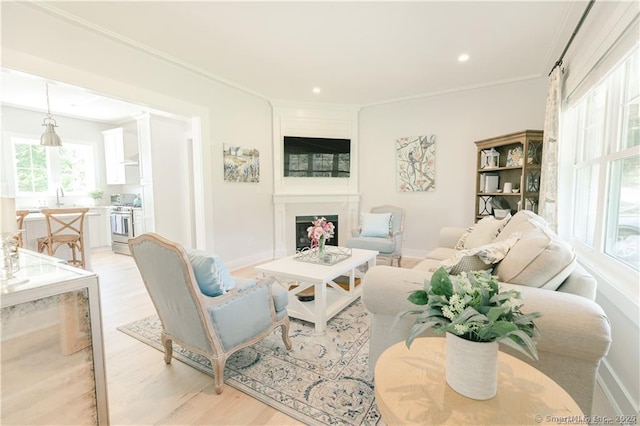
457 120
233 213
169 152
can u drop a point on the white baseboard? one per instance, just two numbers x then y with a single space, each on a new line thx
253 259
617 395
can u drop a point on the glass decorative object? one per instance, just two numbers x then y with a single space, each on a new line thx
10 257
330 255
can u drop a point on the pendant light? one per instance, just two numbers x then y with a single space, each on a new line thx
49 137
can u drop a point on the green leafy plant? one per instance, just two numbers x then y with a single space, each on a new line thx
96 194
471 306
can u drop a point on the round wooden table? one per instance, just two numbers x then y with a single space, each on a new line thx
411 388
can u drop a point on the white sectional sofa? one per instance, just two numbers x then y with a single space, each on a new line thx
574 331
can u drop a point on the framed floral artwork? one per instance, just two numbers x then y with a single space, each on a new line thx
415 163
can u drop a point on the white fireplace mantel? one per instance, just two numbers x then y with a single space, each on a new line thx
288 206
315 198
305 196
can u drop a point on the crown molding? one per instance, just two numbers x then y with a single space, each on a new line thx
118 38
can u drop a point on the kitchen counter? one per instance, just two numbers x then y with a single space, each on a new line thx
35 227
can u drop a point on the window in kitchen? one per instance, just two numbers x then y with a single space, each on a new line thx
39 170
604 126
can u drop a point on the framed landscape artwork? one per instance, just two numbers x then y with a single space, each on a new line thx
241 164
415 163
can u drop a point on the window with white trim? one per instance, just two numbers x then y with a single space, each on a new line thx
604 127
39 170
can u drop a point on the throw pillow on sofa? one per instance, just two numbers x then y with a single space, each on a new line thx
483 232
478 258
524 220
538 259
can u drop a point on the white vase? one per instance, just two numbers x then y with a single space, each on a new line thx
472 367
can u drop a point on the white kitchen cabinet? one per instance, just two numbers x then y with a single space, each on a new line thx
100 231
138 222
114 156
121 157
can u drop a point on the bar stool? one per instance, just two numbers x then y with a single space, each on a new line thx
20 215
64 227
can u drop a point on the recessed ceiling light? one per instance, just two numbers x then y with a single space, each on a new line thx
316 90
463 58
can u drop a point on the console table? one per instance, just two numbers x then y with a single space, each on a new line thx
411 388
53 367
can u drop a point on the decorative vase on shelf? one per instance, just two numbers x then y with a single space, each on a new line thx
472 367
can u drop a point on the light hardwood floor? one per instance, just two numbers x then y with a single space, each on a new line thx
143 390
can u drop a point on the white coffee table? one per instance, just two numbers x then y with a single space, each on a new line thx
329 298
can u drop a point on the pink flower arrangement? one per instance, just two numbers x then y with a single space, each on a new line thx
320 231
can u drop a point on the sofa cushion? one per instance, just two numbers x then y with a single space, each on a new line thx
464 263
441 253
523 221
483 232
211 274
538 259
427 265
375 224
478 258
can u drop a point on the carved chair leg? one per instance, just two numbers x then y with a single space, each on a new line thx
168 348
285 334
400 262
218 372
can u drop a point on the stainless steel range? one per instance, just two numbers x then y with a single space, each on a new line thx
123 224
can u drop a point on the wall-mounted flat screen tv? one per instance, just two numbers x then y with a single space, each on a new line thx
316 157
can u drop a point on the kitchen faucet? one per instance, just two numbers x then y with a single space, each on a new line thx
59 193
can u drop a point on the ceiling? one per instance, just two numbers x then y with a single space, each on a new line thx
357 53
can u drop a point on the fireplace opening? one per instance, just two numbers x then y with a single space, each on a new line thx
303 222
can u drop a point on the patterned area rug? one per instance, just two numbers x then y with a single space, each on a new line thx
323 380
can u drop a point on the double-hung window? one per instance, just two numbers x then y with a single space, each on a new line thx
604 128
39 170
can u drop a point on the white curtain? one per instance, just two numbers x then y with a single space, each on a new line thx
548 203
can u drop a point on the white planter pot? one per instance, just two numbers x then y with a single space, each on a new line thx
472 367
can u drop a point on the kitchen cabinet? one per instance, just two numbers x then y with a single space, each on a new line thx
515 160
114 156
100 231
138 222
53 364
120 156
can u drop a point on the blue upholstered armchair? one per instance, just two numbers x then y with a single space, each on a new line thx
381 230
214 327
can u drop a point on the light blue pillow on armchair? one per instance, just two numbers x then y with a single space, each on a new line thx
212 275
375 225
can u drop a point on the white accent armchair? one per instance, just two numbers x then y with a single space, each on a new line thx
379 232
214 327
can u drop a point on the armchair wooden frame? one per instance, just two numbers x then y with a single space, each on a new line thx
200 325
396 234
